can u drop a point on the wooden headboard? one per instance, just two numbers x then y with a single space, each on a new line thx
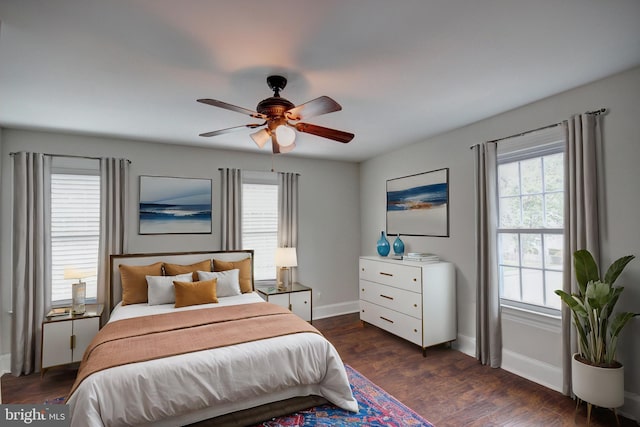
184 258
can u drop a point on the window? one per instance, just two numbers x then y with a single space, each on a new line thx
531 219
260 222
75 228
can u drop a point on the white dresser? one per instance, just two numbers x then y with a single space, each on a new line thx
414 300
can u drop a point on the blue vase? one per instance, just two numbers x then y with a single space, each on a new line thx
383 245
398 246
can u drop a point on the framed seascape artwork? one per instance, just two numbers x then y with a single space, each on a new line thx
174 205
418 205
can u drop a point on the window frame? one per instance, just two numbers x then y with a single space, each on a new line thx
526 148
72 166
261 178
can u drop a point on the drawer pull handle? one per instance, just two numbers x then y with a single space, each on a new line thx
415 305
415 280
384 318
72 342
386 274
384 296
362 289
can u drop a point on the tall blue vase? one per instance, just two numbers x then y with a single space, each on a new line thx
398 246
383 245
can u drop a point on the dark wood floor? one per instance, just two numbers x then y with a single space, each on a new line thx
447 387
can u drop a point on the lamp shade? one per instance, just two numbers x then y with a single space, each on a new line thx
286 257
261 137
76 273
285 135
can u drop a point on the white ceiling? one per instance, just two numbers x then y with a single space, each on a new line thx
402 70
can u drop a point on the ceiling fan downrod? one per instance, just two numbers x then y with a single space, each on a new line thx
276 83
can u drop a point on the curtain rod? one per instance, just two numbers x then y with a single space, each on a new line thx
13 153
253 170
594 112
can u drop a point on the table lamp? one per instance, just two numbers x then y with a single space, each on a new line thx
285 259
78 289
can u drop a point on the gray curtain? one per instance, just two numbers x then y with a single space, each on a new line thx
581 216
31 258
231 209
488 324
114 190
287 210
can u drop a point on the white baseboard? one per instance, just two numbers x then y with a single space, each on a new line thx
331 310
5 363
631 408
539 372
466 345
534 370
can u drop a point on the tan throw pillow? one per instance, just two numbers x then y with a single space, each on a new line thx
134 281
175 269
245 271
194 293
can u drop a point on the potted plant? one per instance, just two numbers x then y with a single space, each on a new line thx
597 377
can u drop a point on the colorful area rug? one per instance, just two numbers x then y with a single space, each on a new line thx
377 408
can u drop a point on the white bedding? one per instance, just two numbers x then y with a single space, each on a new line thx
187 388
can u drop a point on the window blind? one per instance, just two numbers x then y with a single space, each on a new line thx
75 231
260 226
538 143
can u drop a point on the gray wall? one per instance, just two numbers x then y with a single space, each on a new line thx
619 220
329 234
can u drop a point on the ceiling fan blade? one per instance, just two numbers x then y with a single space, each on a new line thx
315 107
233 129
226 106
336 135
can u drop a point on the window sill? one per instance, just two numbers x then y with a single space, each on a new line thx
531 318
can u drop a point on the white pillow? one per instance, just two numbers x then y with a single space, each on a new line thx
160 288
228 284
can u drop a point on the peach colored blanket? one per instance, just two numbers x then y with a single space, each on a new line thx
152 337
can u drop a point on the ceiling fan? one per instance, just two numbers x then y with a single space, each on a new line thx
282 118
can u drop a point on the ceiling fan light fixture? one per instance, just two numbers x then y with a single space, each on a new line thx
261 137
287 148
286 135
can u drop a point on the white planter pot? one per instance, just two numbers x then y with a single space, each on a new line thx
603 387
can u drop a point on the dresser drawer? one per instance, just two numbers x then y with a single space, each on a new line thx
399 324
401 300
397 275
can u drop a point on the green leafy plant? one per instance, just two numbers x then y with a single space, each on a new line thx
592 307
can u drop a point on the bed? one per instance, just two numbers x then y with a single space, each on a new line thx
247 380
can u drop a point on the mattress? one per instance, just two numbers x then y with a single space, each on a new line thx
186 388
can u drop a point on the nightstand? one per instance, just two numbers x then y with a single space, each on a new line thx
296 298
65 338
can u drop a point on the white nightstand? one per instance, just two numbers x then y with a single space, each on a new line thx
65 338
296 298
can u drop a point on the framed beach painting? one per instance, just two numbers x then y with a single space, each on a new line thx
418 205
174 205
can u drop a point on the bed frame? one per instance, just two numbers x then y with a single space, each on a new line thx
184 258
239 418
